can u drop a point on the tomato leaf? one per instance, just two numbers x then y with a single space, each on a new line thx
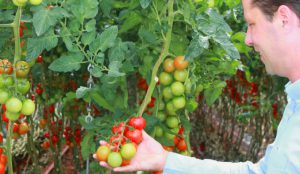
82 91
212 93
114 67
88 146
83 9
43 19
197 46
105 40
118 52
145 3
37 44
67 63
132 19
99 100
106 6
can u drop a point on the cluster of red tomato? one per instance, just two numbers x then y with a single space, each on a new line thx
123 143
23 2
68 134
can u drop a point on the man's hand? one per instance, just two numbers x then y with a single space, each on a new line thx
150 156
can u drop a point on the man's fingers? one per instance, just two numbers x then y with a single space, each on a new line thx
104 164
129 168
102 142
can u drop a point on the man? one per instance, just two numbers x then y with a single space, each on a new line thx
274 32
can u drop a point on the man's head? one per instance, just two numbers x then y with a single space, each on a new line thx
274 32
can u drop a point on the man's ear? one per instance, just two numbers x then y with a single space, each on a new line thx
287 18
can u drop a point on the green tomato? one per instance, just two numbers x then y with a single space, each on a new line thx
4 96
161 116
172 122
167 93
13 105
8 81
28 107
177 88
170 108
23 86
12 116
165 78
180 75
1 81
21 1
128 151
161 105
35 2
158 131
178 102
17 3
171 135
114 159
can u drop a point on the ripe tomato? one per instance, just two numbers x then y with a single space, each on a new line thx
21 29
179 102
45 145
1 140
13 105
125 162
4 96
180 75
114 140
4 118
2 168
22 69
23 128
137 122
172 122
42 123
181 146
177 88
3 159
128 151
169 65
12 116
180 63
165 78
102 153
114 159
157 172
35 2
5 67
39 59
23 86
134 135
176 140
118 128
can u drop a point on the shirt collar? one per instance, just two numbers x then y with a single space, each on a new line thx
293 90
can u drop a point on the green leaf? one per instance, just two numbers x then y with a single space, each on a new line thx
114 67
132 19
5 34
96 72
100 101
232 3
83 9
88 38
118 52
91 25
82 91
145 3
67 63
106 6
105 40
38 44
88 146
227 45
213 92
7 15
67 38
197 46
147 35
45 18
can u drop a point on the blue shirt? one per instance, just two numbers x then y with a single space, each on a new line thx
281 157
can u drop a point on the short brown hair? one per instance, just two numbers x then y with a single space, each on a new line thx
269 7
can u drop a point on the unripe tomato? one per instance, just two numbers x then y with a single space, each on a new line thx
167 93
180 75
114 159
169 65
6 67
161 116
170 108
28 107
21 1
22 69
172 122
4 96
35 2
128 151
13 105
179 102
23 86
180 63
12 116
169 135
165 78
102 153
17 3
1 81
8 81
158 131
177 88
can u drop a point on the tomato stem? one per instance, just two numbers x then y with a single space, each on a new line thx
163 54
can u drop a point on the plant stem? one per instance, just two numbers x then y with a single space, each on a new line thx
9 147
6 25
163 54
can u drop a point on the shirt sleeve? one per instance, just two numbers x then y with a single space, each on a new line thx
179 164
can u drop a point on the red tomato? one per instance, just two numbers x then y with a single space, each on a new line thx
3 159
118 128
2 169
134 135
23 128
181 146
5 67
39 59
137 122
180 63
